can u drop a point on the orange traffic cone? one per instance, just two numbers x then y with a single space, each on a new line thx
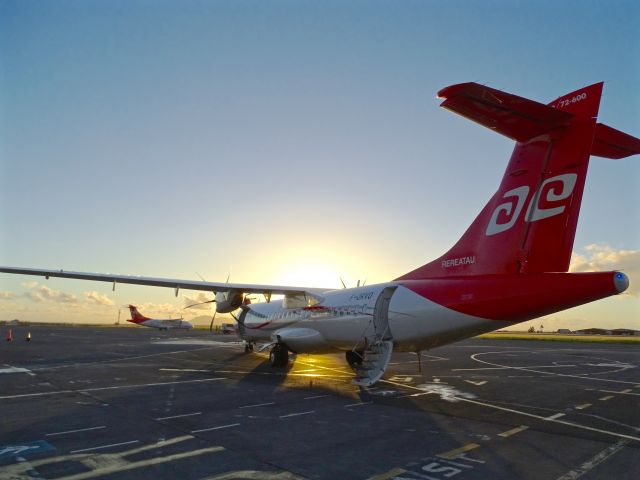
9 336
28 338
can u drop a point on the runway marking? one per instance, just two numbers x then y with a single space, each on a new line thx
628 390
596 460
504 368
513 431
179 416
102 447
16 370
314 397
52 367
75 431
101 464
476 382
258 405
357 404
583 406
390 474
452 454
531 415
527 369
297 414
604 399
231 425
553 417
97 389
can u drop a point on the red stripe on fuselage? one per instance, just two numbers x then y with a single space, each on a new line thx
515 298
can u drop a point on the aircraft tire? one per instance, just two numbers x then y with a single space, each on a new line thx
353 358
279 356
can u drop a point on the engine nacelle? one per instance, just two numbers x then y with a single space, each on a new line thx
302 340
227 302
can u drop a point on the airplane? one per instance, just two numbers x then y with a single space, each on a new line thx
162 324
511 264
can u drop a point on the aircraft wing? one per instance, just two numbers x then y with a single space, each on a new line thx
168 282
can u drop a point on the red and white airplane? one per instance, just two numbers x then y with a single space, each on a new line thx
162 324
509 266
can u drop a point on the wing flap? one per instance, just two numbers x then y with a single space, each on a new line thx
515 117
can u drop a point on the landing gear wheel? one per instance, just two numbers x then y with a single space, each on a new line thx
279 356
248 347
354 358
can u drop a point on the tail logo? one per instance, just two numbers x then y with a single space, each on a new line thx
553 190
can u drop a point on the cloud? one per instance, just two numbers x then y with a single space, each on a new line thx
30 285
7 295
44 293
199 298
98 299
602 257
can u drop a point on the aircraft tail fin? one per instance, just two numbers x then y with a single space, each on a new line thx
136 316
529 224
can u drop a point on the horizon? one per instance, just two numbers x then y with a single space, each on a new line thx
285 142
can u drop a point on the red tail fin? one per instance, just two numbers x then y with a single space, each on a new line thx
136 317
529 224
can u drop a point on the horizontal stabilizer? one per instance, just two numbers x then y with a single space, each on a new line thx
515 117
611 143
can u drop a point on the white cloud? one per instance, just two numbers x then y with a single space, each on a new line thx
30 285
45 293
7 295
98 299
602 257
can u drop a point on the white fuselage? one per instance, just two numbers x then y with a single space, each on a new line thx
167 324
351 318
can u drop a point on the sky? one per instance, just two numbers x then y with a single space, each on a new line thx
285 142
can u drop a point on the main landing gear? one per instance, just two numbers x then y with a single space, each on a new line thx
248 347
279 355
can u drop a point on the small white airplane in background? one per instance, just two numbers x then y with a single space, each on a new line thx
162 324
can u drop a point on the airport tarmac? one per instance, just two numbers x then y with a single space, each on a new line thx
135 403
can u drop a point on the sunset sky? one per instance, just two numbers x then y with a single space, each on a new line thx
285 142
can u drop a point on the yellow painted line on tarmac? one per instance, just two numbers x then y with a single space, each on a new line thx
604 399
513 431
583 406
450 455
390 474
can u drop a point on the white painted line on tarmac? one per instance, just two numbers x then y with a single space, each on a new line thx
553 417
604 399
357 404
231 425
583 406
179 416
75 431
297 414
529 369
530 415
104 446
15 370
593 462
183 370
117 387
258 405
314 397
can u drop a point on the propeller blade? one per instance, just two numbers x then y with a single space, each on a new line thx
342 282
212 320
201 303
